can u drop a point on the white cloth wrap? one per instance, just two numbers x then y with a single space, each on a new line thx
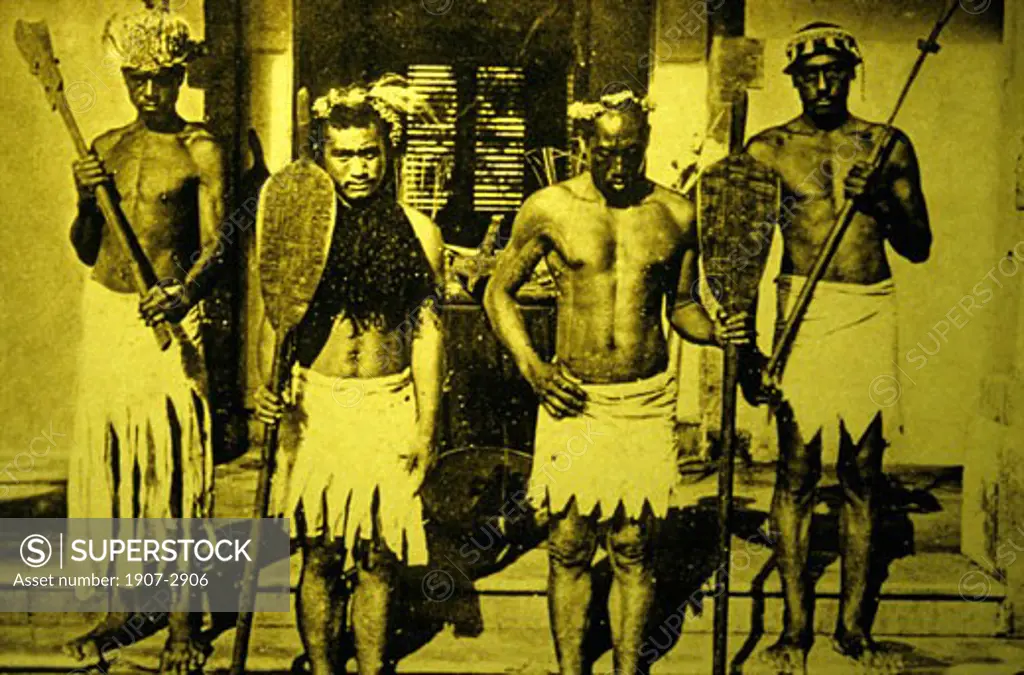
620 450
842 366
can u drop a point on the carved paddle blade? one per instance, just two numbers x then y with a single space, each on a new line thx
33 40
294 225
738 208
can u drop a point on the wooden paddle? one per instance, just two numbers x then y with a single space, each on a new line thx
33 40
737 209
294 226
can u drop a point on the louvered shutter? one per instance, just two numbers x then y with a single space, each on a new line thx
500 139
430 151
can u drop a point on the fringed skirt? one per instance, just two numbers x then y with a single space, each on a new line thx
345 438
619 451
142 428
842 365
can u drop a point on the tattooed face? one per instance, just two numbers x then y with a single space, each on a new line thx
617 150
823 83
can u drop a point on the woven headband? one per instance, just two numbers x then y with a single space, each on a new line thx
821 40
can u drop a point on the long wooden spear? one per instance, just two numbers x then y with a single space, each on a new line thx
878 157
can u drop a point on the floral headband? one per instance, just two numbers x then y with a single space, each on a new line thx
391 97
620 100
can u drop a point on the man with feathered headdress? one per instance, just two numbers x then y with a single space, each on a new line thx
623 253
838 384
142 425
360 419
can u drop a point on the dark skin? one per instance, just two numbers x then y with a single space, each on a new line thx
822 158
619 247
357 160
169 174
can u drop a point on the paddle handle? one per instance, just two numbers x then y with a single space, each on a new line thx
261 505
727 461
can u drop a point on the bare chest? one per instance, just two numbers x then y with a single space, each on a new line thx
815 167
156 179
629 241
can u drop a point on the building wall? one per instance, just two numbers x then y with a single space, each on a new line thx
41 277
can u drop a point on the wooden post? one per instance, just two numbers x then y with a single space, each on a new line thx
223 76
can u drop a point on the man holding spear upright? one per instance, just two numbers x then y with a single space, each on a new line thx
142 428
835 175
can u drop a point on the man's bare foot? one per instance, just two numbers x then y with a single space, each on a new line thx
868 655
183 656
785 657
86 647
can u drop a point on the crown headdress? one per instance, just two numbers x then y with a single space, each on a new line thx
588 111
151 39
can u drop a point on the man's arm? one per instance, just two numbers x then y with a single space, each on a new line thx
209 160
529 243
686 313
896 200
87 228
172 301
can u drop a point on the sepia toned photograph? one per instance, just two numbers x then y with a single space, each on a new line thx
512 337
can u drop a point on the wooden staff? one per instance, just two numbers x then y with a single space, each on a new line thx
33 40
876 160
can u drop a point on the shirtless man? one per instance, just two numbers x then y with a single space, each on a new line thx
623 253
366 391
142 426
848 338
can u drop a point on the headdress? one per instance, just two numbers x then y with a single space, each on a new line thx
151 39
821 38
391 97
588 112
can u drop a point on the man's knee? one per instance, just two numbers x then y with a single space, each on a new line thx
860 464
630 544
322 557
375 558
571 542
799 471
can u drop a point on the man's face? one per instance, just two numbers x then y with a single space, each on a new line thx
355 157
823 82
617 153
154 93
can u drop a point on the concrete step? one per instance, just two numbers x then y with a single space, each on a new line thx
37 650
